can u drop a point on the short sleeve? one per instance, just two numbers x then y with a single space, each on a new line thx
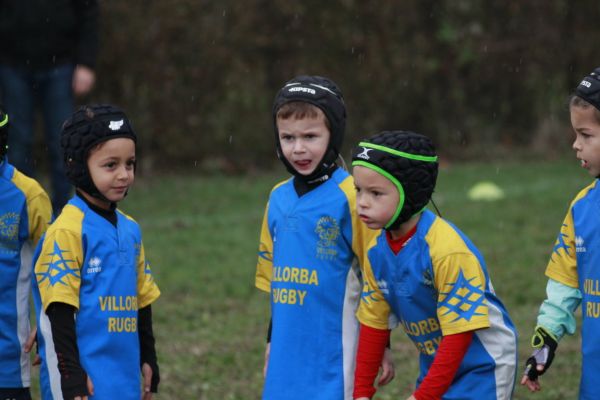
373 310
562 266
460 283
39 211
146 286
264 266
58 268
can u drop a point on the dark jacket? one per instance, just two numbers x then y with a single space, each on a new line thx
43 33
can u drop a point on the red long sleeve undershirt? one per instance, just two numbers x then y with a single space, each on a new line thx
371 346
448 357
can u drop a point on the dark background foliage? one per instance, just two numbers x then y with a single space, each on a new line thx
483 78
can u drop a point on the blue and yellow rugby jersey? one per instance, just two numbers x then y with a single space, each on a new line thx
25 212
438 285
307 255
575 262
101 270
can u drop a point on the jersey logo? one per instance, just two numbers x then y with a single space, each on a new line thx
560 243
365 154
579 245
58 267
115 125
463 299
328 231
9 232
94 265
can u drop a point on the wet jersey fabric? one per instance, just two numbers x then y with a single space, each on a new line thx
575 262
25 213
308 255
101 270
438 285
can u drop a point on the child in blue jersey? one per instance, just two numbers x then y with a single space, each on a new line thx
573 273
424 274
94 286
25 212
310 241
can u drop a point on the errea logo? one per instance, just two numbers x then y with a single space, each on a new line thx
94 265
365 154
579 245
302 89
115 125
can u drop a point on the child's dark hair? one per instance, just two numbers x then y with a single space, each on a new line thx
409 160
587 93
576 101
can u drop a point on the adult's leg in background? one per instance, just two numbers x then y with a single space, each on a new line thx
56 96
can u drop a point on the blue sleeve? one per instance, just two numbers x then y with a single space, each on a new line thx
557 313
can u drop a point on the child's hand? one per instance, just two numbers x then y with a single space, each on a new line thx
267 352
545 345
147 373
28 346
388 371
90 388
412 397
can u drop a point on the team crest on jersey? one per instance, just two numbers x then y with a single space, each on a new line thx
463 299
9 232
59 266
328 231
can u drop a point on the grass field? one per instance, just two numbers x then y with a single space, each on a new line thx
201 236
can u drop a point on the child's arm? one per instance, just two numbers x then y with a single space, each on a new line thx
448 357
371 347
73 379
556 317
148 350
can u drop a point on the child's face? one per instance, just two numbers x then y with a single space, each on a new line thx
111 167
304 142
587 138
376 197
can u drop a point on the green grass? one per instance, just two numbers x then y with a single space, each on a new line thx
201 236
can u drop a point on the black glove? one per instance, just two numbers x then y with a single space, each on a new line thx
545 345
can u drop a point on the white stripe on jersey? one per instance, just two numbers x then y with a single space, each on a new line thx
497 344
51 360
22 300
350 328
